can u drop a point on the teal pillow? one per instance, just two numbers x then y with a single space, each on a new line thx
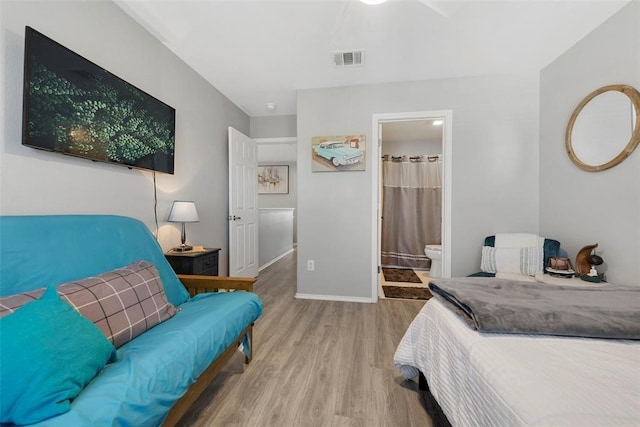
48 353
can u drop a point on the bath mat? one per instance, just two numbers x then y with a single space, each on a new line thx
400 275
406 292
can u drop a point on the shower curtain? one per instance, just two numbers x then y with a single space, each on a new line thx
411 209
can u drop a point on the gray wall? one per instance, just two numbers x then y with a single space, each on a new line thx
37 182
495 172
273 126
577 207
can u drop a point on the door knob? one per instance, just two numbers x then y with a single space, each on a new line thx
234 218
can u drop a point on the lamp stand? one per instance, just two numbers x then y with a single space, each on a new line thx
183 238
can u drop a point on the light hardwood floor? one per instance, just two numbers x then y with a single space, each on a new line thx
315 363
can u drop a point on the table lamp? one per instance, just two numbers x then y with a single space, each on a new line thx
183 211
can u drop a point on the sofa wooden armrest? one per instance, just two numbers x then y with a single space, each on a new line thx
199 284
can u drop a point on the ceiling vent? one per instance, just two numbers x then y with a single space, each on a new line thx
348 58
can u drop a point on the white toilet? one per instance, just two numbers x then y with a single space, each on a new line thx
434 252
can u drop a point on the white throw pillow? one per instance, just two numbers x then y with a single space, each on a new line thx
524 261
488 261
531 261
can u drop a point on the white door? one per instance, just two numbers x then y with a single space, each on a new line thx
243 205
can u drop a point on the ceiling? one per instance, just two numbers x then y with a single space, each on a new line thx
411 131
259 52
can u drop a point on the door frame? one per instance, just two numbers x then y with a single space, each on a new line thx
447 151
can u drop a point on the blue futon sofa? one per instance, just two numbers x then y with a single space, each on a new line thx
153 378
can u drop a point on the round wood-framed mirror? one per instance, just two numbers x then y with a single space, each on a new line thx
604 129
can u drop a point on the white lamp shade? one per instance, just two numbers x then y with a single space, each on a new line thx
182 211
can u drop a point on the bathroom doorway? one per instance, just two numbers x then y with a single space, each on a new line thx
412 199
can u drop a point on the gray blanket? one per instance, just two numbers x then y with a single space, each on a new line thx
507 306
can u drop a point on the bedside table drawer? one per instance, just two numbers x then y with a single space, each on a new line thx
206 263
202 263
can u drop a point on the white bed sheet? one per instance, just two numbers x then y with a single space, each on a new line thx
521 380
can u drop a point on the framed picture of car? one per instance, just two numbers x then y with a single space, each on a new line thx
273 179
338 153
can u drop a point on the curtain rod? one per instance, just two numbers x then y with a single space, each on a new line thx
421 158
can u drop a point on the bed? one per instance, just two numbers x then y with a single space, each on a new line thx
510 379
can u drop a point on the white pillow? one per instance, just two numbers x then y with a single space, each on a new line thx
524 261
488 261
531 261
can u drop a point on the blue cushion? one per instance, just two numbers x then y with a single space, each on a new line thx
39 251
139 389
49 352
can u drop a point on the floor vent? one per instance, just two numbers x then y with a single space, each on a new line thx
348 58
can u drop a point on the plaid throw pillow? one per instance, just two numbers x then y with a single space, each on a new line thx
11 303
123 303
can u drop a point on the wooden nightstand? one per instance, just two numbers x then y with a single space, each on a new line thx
204 263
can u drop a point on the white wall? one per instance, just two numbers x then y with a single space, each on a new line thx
278 154
576 207
276 234
37 182
495 172
283 200
411 148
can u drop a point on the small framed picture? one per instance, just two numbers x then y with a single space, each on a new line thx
273 179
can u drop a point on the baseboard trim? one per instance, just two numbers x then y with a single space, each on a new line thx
334 298
276 259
